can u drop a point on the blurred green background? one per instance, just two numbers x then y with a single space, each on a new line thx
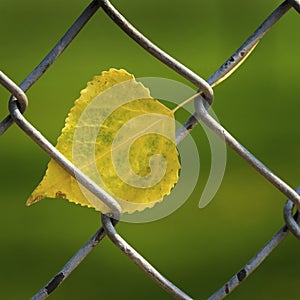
197 249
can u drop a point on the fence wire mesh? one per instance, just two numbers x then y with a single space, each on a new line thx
204 98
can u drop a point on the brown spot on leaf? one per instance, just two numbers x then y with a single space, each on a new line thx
60 195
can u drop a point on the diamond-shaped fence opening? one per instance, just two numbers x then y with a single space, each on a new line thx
204 98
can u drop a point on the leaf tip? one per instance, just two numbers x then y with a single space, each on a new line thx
33 199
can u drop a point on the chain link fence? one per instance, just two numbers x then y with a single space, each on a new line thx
205 97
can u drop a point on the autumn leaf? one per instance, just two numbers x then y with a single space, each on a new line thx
122 139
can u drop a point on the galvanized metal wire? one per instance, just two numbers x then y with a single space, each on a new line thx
203 100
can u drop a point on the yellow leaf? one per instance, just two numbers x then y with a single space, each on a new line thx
122 139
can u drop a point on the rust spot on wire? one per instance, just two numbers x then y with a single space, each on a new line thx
227 289
241 275
55 282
